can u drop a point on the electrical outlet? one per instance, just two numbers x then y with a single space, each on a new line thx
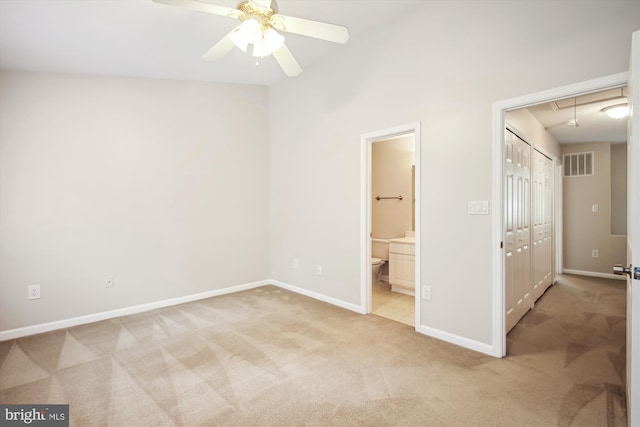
295 263
426 293
33 292
595 208
595 253
109 282
319 270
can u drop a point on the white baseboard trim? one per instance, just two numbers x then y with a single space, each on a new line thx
458 340
435 333
81 320
594 274
320 297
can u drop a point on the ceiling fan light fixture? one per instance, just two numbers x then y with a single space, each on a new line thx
238 39
619 111
252 30
249 32
259 20
270 42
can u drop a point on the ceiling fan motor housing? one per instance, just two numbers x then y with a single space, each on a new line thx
261 14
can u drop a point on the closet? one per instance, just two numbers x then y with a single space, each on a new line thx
542 216
528 226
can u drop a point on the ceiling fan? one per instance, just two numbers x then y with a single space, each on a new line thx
259 26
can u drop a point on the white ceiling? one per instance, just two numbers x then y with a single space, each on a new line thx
145 39
593 124
139 38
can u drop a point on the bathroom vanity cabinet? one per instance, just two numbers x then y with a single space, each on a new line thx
402 265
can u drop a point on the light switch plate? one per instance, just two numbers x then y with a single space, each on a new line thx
478 207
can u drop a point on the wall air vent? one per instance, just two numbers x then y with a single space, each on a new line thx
578 164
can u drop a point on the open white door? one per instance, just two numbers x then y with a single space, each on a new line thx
633 238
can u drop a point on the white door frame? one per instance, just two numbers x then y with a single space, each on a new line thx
366 140
558 261
499 337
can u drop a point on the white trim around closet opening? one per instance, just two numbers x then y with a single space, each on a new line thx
499 337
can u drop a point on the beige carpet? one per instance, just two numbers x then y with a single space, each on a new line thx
269 357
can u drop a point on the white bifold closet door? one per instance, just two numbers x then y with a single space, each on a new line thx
542 214
528 223
518 283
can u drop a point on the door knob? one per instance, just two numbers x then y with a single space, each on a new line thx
620 270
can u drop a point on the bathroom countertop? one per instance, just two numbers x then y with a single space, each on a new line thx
405 240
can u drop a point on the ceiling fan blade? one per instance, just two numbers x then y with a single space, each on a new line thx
319 30
287 62
220 49
200 6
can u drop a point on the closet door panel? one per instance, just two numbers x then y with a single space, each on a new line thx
543 211
518 276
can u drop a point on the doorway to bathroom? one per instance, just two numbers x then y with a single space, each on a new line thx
390 249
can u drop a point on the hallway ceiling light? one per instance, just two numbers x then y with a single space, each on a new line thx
574 121
619 111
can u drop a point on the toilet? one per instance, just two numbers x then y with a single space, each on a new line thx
379 256
376 265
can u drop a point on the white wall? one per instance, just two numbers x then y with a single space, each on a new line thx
525 124
162 184
444 65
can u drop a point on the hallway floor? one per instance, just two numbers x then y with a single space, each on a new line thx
392 305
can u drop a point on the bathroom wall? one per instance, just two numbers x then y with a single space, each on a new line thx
391 175
584 230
